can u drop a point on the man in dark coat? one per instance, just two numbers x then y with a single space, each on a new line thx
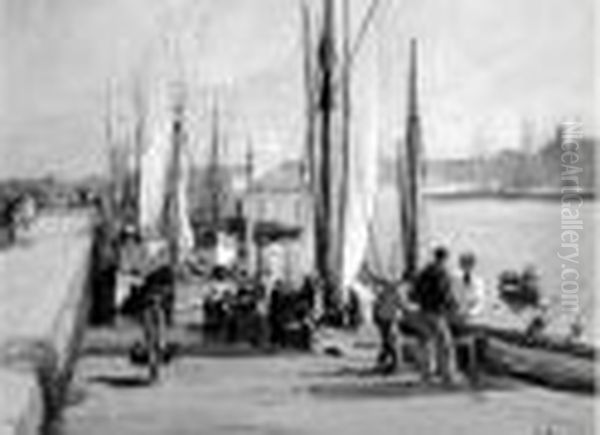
433 294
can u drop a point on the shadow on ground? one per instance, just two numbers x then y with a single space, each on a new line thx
122 381
365 382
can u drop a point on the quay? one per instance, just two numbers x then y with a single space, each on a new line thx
49 370
43 289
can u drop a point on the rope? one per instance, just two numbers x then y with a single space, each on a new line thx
364 27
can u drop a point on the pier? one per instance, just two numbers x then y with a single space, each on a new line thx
49 372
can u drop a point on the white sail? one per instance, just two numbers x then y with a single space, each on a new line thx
363 171
155 164
362 192
185 235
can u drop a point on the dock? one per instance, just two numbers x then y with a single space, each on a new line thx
54 381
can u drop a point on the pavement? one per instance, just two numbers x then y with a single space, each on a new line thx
293 393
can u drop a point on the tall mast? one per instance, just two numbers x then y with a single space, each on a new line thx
410 209
308 169
326 104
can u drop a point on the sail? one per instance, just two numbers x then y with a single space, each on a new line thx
179 234
155 163
185 235
360 159
395 227
345 182
362 179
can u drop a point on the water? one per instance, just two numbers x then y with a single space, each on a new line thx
508 234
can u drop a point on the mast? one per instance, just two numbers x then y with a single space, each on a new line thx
309 174
113 158
410 204
345 130
213 182
174 227
326 59
308 167
249 227
138 141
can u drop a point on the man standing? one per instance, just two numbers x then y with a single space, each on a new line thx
433 295
385 314
468 288
387 307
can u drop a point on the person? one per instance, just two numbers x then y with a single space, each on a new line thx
163 280
432 293
18 215
149 300
468 288
468 291
353 308
212 315
530 286
386 308
131 269
154 312
228 305
104 269
261 337
24 211
276 315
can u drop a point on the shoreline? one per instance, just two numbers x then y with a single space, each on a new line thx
548 195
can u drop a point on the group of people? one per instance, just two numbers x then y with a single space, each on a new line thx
432 306
145 275
265 315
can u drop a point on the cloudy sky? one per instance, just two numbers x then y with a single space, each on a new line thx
487 69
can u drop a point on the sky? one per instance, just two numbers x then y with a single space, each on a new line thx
488 70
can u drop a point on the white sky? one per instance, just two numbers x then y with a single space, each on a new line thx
485 66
